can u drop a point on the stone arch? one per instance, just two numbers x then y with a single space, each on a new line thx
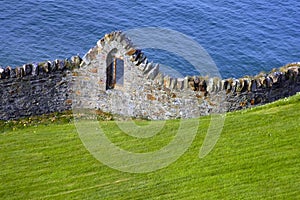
110 62
115 69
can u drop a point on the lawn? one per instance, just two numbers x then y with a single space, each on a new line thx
256 157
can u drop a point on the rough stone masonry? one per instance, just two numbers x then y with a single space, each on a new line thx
116 77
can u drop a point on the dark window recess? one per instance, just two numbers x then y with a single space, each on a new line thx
110 76
114 72
119 71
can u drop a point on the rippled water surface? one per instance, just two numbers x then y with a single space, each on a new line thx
242 37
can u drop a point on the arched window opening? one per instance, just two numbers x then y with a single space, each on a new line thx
114 70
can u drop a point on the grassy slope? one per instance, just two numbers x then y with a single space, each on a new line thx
256 157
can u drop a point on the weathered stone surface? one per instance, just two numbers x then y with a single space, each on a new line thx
7 71
180 84
167 81
61 65
13 73
19 72
210 86
173 83
2 73
153 72
239 85
76 60
191 84
159 79
245 85
186 82
35 69
234 84
203 85
145 92
131 51
148 67
196 83
253 85
218 84
141 59
228 85
27 69
44 67
143 65
268 82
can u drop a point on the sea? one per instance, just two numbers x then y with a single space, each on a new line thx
242 37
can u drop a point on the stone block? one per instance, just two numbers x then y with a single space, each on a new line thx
153 72
159 79
145 62
234 85
222 85
180 83
218 84
246 83
109 37
13 73
44 67
137 55
226 85
142 67
54 66
27 69
69 101
150 97
126 45
192 85
119 37
173 83
7 71
274 77
19 72
141 59
35 69
268 82
131 52
253 85
196 83
292 72
167 81
100 43
239 85
186 82
93 70
229 85
203 85
87 57
148 67
61 65
210 85
260 82
76 61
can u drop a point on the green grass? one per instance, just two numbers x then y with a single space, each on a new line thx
256 157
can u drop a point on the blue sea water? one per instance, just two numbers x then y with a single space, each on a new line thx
243 37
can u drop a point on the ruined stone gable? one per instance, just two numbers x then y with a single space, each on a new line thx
146 92
116 77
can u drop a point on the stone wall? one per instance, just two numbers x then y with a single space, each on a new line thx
36 89
143 91
148 93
